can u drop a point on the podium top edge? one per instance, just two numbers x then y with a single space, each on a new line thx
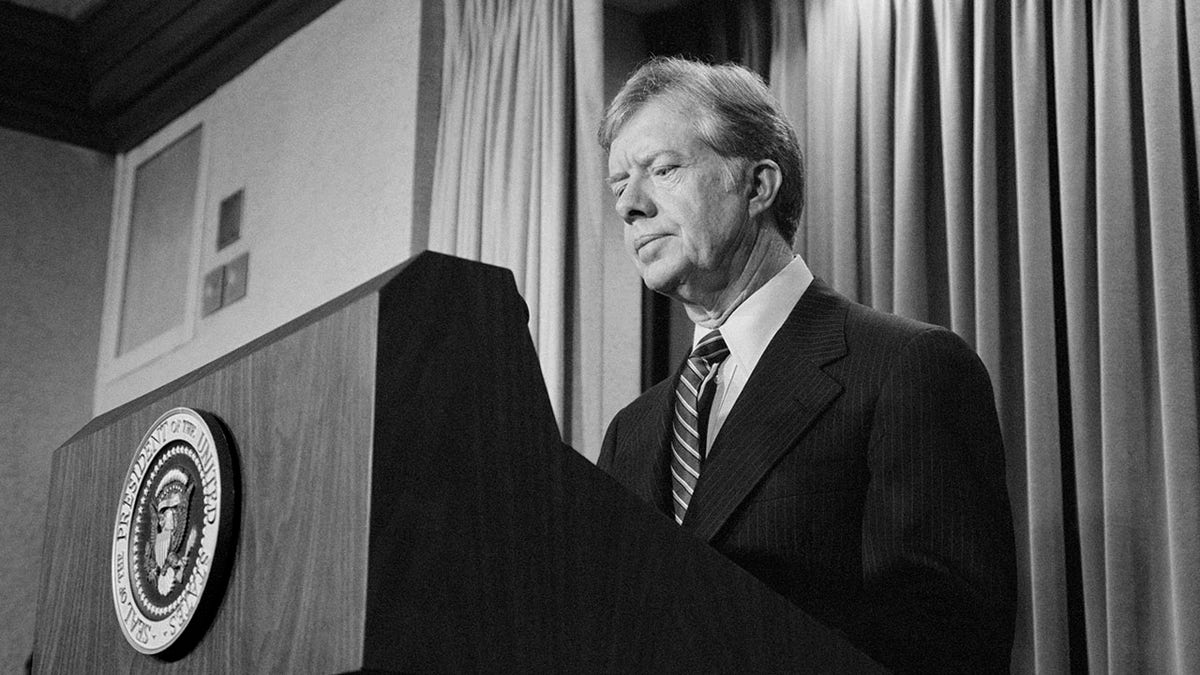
422 261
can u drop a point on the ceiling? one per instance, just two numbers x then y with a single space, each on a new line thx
70 9
105 74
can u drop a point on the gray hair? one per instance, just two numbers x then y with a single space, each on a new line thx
736 115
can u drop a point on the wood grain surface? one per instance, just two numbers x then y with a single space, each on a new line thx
299 412
408 506
495 548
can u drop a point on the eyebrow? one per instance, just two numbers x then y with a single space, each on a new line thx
647 159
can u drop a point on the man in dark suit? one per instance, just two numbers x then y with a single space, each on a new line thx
849 458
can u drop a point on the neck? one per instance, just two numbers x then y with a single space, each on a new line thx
768 256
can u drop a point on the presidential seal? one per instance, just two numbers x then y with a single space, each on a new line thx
173 534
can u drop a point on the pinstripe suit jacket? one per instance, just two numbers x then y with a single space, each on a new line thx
861 474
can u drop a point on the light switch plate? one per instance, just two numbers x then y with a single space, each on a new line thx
236 273
211 296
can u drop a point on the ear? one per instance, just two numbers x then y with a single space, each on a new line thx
765 180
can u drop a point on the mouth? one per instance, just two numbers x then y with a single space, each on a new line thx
642 240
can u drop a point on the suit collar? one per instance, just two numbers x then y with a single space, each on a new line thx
753 323
785 394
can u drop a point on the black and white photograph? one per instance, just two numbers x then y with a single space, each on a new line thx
600 336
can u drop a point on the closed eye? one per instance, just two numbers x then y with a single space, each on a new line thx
663 170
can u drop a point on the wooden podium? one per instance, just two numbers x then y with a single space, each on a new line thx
407 505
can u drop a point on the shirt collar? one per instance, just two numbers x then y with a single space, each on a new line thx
752 324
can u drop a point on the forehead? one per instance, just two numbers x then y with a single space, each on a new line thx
656 128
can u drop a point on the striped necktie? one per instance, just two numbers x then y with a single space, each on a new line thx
693 398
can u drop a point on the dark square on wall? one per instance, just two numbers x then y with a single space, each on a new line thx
229 227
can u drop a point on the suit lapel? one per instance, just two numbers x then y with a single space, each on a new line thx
785 394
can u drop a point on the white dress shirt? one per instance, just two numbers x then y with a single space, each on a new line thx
747 332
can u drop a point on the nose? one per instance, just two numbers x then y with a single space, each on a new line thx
634 203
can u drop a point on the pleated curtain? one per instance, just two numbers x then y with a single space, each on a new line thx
503 186
500 189
1026 174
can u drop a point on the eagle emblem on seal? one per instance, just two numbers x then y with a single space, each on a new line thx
173 539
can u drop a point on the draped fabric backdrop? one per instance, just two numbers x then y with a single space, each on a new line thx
501 188
1025 173
518 182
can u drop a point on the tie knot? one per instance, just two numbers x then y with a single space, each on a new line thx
711 349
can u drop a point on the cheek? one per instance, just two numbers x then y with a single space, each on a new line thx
627 237
702 234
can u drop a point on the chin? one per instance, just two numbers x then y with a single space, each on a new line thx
665 284
665 273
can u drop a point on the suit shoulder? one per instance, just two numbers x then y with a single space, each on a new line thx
869 319
893 334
